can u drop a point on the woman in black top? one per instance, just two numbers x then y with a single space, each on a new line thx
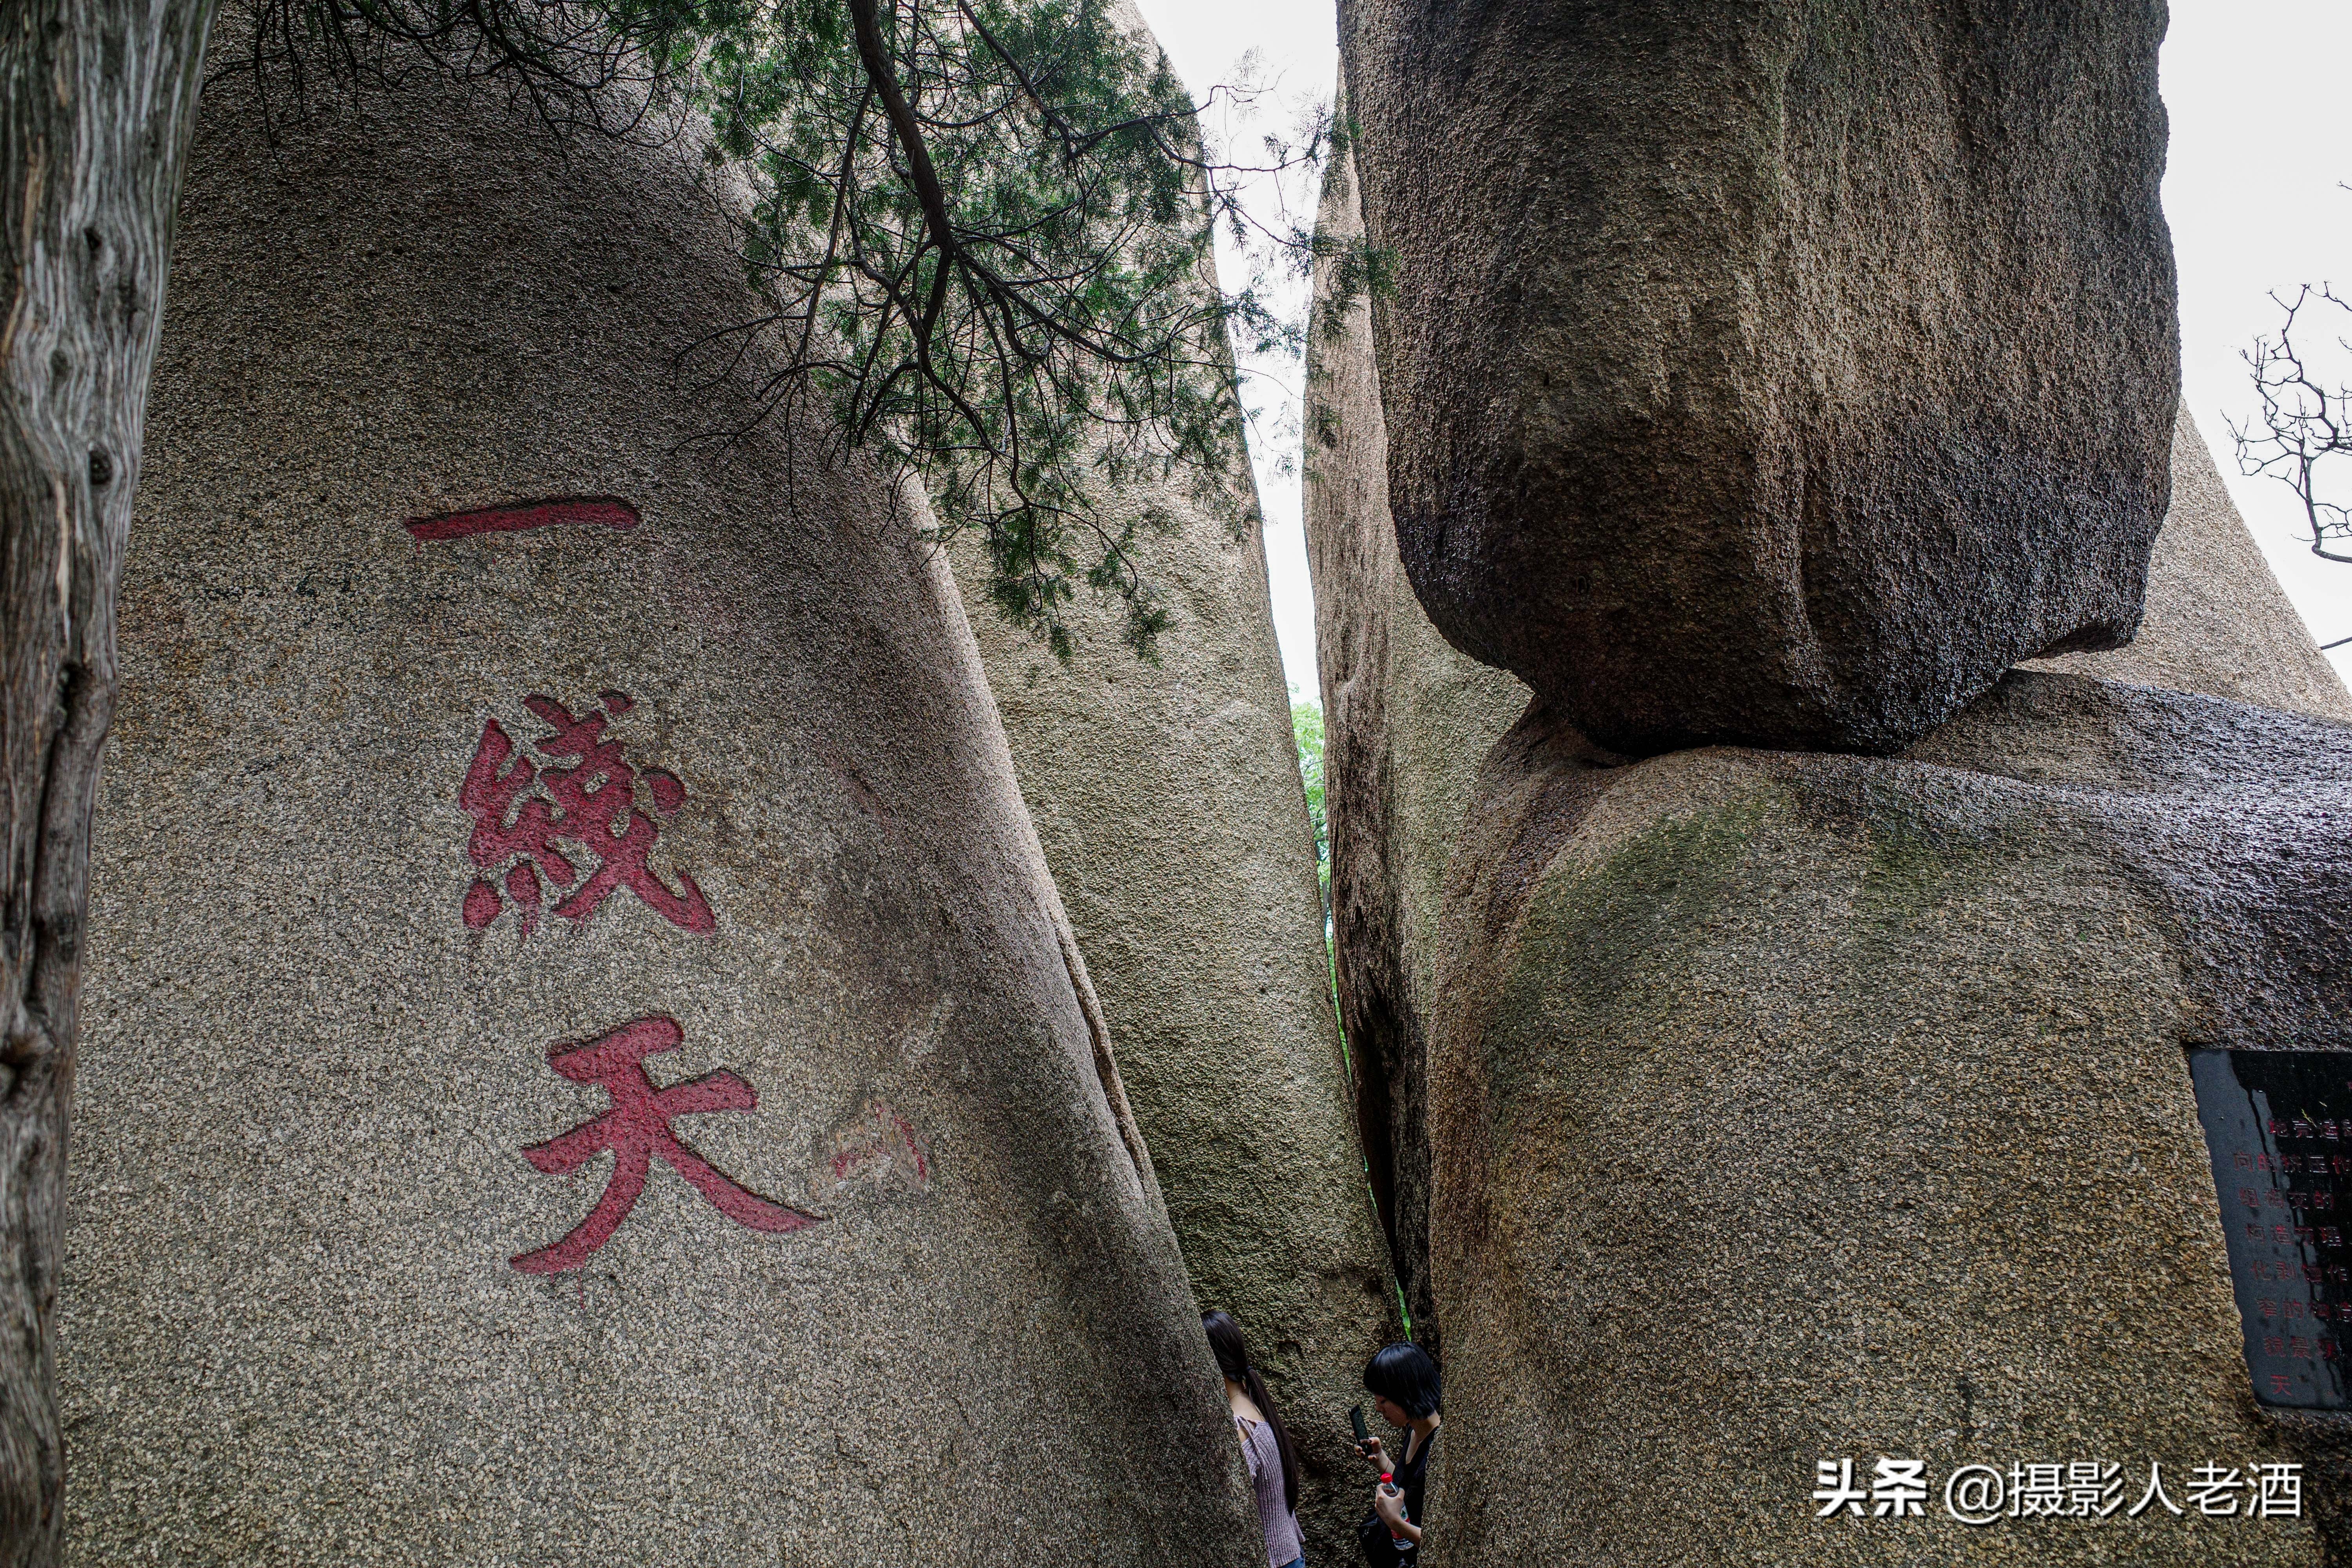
1405 1386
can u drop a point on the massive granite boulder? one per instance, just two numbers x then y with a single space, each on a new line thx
1779 374
1797 1109
585 1061
1167 794
1406 719
2218 621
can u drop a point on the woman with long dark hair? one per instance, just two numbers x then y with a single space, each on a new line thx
1266 1443
1405 1390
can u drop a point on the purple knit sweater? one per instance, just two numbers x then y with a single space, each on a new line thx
1283 1542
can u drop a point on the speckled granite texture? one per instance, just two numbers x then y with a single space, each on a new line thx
1406 720
1777 373
292 1332
2217 620
1790 1108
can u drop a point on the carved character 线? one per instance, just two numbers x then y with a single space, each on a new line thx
583 803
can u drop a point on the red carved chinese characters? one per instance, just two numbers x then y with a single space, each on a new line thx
525 813
607 511
636 1130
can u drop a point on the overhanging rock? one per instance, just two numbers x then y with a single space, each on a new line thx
1777 375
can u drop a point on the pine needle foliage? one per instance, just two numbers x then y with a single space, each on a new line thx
1306 731
983 229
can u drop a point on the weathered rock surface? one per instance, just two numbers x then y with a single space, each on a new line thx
1406 719
899 1293
1790 1108
2217 620
1779 375
1168 798
1166 794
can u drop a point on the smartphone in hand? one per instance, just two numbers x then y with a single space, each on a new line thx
1363 1433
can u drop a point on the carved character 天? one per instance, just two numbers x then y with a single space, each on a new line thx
524 813
637 1128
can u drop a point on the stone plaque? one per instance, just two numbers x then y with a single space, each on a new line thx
2279 1124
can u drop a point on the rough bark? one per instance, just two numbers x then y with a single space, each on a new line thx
96 101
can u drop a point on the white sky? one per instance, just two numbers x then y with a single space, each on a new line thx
2254 89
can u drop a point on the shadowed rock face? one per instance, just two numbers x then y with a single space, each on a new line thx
1791 1107
1779 374
894 1288
2217 620
1406 719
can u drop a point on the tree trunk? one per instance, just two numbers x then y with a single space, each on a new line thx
96 101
